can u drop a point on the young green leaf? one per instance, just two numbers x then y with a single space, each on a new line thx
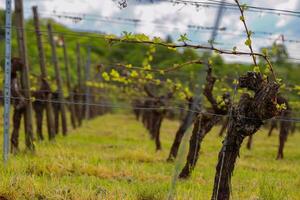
256 69
264 51
248 42
183 38
244 7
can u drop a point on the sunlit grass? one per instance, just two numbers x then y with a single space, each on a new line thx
112 157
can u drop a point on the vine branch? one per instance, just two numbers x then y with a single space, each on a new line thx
248 32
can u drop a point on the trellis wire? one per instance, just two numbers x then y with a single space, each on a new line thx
84 33
152 108
231 6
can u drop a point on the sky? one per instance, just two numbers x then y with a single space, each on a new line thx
164 18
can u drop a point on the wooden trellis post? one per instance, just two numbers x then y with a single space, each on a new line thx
79 106
87 88
68 82
49 111
79 67
21 37
58 80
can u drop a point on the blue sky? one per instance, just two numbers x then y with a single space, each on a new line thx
174 20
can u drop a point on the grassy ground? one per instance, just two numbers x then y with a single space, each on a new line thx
112 157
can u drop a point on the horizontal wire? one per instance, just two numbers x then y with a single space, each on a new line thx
70 34
102 36
105 95
179 74
79 34
134 21
185 45
154 108
232 6
92 17
117 65
224 30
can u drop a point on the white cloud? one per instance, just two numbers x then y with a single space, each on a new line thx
173 19
2 4
288 5
278 4
104 7
76 8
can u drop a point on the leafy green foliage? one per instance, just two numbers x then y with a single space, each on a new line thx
248 42
183 38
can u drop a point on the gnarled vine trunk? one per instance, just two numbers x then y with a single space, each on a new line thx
154 113
204 123
285 126
246 118
136 107
272 127
224 127
249 142
188 120
293 127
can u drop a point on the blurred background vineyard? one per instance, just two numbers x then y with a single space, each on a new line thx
125 53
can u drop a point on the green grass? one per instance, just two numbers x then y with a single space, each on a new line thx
112 157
